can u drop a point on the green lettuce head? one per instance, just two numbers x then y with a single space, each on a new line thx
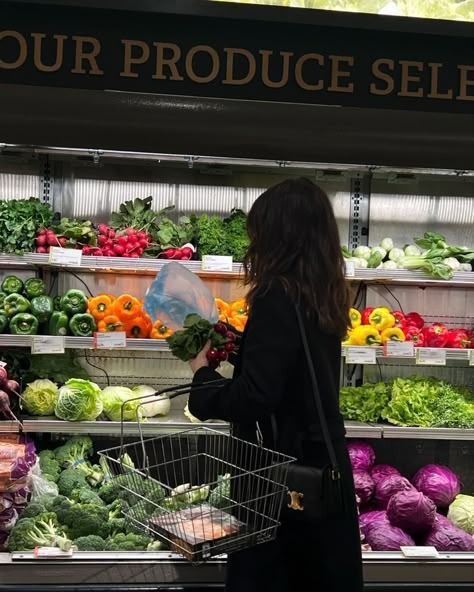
40 397
113 397
79 400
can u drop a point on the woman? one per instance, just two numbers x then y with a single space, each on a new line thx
294 256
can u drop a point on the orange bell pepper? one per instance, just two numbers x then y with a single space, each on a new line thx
160 331
238 308
126 307
136 327
223 308
100 306
110 323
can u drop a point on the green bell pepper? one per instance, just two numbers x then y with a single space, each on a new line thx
2 299
12 285
82 325
57 302
15 304
58 323
74 302
42 308
3 323
24 324
34 287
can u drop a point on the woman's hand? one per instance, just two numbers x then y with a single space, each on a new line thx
200 361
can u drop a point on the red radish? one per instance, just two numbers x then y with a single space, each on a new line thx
139 251
143 243
187 252
220 328
110 243
41 240
126 255
122 240
103 228
178 254
52 240
223 355
213 354
130 232
109 253
5 405
12 385
42 232
129 248
63 241
229 346
149 238
102 240
86 250
141 234
214 364
132 238
169 253
230 335
97 252
111 233
134 255
41 250
3 375
119 250
47 249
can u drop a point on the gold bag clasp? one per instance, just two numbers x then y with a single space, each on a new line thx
296 502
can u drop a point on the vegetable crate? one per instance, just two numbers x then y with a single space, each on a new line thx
201 492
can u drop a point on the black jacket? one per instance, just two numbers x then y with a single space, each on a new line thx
271 377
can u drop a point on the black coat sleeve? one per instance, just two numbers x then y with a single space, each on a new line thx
270 354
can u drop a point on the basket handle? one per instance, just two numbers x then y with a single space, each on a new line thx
175 391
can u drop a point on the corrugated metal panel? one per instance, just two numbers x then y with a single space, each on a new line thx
17 186
203 198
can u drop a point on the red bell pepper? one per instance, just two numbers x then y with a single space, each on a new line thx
436 335
414 334
413 318
458 338
400 320
365 314
470 336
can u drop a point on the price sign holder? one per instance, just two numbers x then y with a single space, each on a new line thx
399 349
471 357
350 269
430 356
47 344
59 256
411 552
360 355
112 340
216 263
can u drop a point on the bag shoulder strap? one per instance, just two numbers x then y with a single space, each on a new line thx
317 396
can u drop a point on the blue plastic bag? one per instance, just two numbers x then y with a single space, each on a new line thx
177 292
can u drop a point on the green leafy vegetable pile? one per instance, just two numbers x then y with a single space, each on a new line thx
19 220
416 401
223 237
187 343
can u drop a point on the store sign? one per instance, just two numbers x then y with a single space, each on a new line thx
187 55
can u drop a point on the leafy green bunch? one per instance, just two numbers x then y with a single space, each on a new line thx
19 221
187 343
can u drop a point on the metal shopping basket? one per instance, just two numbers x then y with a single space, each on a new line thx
200 491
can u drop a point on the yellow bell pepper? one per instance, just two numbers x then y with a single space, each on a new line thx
393 334
355 317
347 339
365 335
380 318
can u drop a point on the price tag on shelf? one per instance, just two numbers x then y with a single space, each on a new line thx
350 269
112 340
399 349
51 552
47 344
216 263
471 357
419 552
360 355
58 256
430 356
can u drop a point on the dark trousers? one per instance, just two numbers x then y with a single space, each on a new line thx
325 557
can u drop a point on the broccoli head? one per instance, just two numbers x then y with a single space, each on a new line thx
42 530
33 509
86 496
74 451
50 468
127 542
91 542
85 519
108 491
71 479
60 506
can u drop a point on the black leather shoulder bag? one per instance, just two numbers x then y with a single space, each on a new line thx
314 493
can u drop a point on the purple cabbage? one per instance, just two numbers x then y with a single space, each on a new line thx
361 454
412 511
8 519
378 472
383 536
438 483
7 500
370 519
388 486
447 537
364 486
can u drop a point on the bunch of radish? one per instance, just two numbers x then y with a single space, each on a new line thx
47 239
7 385
117 243
184 253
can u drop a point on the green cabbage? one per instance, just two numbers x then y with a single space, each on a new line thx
39 397
113 397
79 400
461 513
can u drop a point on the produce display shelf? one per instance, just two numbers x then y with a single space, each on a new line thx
161 345
399 433
462 279
164 568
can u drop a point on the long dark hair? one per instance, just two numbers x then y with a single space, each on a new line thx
294 240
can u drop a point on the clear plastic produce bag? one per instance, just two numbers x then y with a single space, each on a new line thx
177 292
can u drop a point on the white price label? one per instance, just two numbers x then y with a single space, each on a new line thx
216 263
47 344
430 356
419 552
399 349
51 552
350 269
471 357
112 340
360 355
58 256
